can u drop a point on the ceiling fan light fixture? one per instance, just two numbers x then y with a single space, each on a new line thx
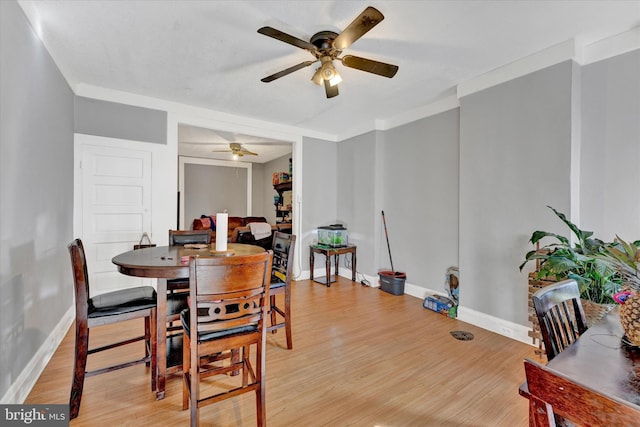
336 79
317 77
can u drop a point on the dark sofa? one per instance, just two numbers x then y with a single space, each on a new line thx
208 221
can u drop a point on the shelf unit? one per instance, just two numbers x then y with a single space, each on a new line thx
281 188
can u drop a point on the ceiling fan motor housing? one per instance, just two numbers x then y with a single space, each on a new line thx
323 40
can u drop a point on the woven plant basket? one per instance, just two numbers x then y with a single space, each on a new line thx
630 319
594 312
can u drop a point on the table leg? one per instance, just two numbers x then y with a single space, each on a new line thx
328 268
161 329
353 266
337 260
311 263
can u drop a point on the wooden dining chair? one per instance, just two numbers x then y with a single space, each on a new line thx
184 237
227 314
178 289
552 393
281 274
105 309
560 315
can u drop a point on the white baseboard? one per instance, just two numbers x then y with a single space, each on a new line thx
21 387
495 324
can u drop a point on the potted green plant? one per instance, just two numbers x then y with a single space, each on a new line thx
624 259
560 259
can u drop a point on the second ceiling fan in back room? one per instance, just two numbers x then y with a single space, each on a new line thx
326 46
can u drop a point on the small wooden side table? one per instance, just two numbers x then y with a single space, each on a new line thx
328 252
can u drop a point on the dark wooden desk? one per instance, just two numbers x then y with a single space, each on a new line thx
328 252
165 262
602 361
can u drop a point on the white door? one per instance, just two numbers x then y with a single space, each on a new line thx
115 193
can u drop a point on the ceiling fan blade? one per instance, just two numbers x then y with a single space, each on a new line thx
331 91
251 153
369 65
284 37
289 70
368 19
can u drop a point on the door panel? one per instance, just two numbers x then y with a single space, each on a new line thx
116 209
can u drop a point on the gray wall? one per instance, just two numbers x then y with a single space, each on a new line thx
319 191
515 158
36 194
211 189
421 198
610 183
357 208
110 119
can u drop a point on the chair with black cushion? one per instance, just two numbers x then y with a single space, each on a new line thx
105 309
281 273
177 289
560 315
227 315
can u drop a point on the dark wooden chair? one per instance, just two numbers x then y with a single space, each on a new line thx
552 394
184 237
562 320
229 297
560 315
105 309
281 273
178 289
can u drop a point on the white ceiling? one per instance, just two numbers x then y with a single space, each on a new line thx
208 143
209 54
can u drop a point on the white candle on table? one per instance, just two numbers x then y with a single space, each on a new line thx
222 222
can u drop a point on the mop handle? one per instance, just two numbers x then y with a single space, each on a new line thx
384 221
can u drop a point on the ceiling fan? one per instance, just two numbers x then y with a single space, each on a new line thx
237 150
326 46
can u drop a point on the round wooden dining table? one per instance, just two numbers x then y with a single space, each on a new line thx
169 262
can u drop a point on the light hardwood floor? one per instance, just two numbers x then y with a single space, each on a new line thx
361 357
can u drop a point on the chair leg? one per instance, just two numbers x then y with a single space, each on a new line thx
194 386
79 369
274 320
147 340
154 347
235 358
186 364
261 410
287 319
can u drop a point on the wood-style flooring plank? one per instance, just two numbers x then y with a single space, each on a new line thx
361 357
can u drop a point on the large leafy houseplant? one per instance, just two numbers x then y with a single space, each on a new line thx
561 259
624 258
